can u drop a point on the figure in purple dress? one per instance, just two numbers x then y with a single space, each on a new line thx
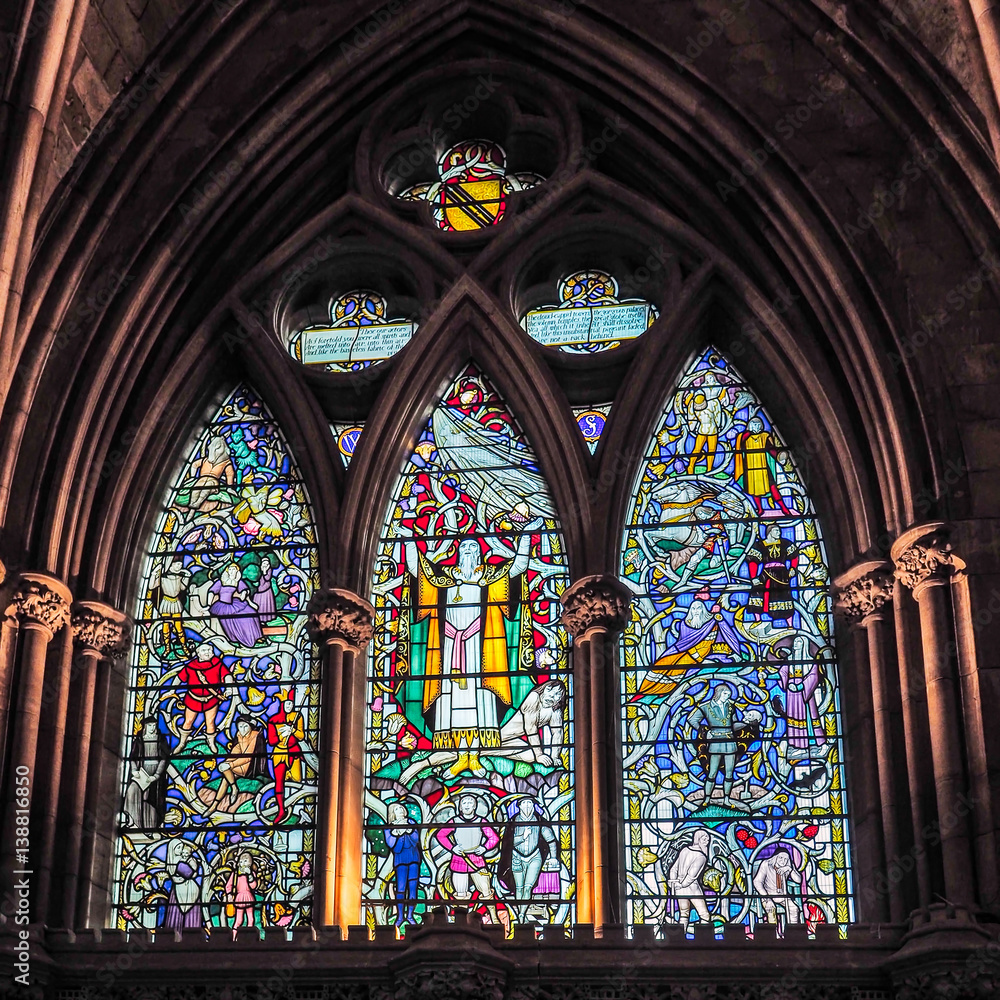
237 617
264 597
800 677
183 909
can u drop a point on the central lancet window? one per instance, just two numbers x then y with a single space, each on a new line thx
470 762
732 741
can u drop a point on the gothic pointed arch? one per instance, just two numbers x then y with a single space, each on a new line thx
222 706
469 723
734 778
467 325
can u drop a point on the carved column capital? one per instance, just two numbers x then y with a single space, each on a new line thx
923 557
337 615
42 601
864 590
100 628
596 602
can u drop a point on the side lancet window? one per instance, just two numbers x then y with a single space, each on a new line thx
222 708
735 806
470 763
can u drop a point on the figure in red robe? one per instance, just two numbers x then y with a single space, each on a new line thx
204 677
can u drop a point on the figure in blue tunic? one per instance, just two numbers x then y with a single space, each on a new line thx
403 839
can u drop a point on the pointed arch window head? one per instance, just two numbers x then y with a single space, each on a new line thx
222 706
469 726
471 192
358 335
735 803
589 316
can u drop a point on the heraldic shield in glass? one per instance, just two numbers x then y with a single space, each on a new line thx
735 805
470 766
222 708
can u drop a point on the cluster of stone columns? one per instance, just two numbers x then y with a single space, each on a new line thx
939 851
53 704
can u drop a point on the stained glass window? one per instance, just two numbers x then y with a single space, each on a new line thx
470 763
733 754
347 436
359 334
589 316
471 192
591 421
222 708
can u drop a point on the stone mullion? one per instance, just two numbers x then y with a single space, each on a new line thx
90 826
595 611
865 590
48 792
98 631
329 784
924 564
984 837
352 777
916 744
583 784
340 622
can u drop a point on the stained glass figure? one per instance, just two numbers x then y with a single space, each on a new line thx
473 186
589 316
591 421
359 334
470 760
347 436
735 804
222 708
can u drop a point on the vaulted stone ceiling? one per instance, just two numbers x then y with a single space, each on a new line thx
121 35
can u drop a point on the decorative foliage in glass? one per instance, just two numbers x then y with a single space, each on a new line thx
473 186
222 707
735 806
358 334
589 316
469 739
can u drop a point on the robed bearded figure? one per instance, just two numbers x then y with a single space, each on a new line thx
463 645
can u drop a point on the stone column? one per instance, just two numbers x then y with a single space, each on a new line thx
95 818
55 702
8 644
984 837
595 610
924 564
340 623
866 589
99 632
42 606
